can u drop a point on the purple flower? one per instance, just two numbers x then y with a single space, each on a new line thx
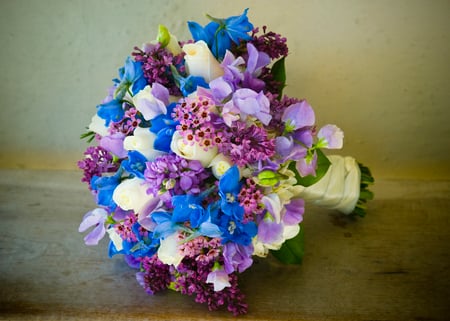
331 136
237 257
298 116
219 278
307 166
114 144
96 218
250 103
270 231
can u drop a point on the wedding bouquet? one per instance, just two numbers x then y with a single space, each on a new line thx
201 163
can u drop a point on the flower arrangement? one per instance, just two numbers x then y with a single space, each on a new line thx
201 163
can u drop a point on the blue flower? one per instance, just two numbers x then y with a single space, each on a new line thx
110 111
131 77
220 33
164 126
105 186
135 163
237 232
229 188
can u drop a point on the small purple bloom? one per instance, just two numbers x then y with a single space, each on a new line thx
251 103
298 115
96 218
114 144
237 257
332 136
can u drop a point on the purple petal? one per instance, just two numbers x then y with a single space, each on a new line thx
92 218
185 183
304 136
283 145
114 144
299 115
307 168
95 235
333 135
270 232
160 92
294 211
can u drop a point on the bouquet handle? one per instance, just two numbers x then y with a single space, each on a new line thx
344 187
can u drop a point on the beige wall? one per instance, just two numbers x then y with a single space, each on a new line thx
378 69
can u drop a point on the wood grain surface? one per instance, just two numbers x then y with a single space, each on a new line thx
392 265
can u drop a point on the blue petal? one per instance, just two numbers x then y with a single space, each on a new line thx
209 229
110 111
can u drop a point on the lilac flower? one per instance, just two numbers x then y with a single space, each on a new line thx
220 33
247 145
96 218
156 62
270 42
97 161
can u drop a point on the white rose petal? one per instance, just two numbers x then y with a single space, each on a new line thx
142 141
201 62
168 251
97 125
131 194
192 152
219 165
115 238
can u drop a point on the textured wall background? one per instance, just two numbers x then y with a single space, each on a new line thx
378 69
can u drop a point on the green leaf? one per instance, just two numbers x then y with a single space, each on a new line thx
323 163
292 250
278 72
163 36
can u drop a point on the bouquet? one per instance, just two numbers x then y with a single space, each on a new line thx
200 162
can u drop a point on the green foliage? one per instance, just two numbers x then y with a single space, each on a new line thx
278 72
292 250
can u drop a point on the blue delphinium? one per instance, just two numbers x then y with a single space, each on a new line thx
220 33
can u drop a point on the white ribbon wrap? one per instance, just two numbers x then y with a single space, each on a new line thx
339 188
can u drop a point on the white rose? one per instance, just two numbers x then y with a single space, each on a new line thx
219 165
131 194
142 141
201 62
97 125
192 152
168 251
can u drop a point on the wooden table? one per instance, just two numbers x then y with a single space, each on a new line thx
392 265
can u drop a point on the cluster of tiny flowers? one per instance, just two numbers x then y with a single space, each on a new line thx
125 228
155 275
176 174
191 280
97 161
247 145
155 60
250 199
127 124
201 248
270 42
195 116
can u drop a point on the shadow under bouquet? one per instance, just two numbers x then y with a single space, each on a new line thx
201 163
